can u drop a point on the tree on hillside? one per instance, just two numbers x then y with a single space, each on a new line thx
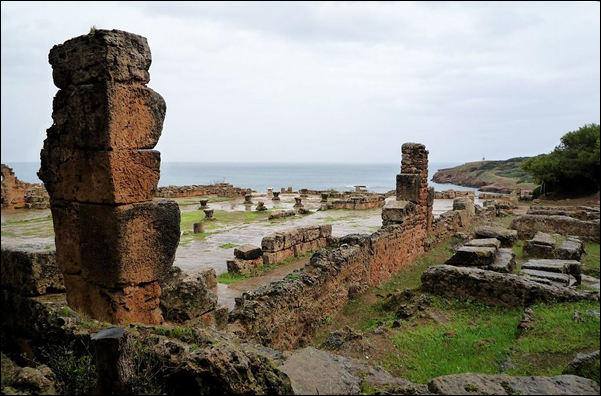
573 166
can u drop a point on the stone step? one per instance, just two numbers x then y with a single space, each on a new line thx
570 250
542 238
485 242
553 277
470 256
572 267
505 262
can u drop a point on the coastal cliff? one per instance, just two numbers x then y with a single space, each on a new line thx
491 176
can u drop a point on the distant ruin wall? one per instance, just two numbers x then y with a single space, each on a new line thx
17 194
528 225
220 189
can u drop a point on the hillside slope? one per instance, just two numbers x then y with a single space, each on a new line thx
493 176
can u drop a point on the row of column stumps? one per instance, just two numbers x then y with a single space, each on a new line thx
114 243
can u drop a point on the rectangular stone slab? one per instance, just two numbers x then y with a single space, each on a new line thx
473 256
112 116
115 245
395 212
561 266
486 242
505 262
569 250
556 277
248 252
542 238
107 177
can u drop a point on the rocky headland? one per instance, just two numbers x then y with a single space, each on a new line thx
490 176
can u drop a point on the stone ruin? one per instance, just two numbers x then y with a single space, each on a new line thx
114 243
279 246
17 194
581 221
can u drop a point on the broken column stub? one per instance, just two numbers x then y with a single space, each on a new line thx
114 242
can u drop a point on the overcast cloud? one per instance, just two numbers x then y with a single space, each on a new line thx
328 82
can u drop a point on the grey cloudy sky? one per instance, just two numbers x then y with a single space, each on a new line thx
328 81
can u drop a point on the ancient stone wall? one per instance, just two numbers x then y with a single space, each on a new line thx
359 202
528 225
452 194
283 313
220 189
114 243
17 194
284 244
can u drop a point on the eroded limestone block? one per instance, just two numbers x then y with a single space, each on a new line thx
109 177
407 187
186 296
124 304
104 55
114 116
507 237
473 256
505 261
114 245
396 212
485 242
248 252
240 266
30 272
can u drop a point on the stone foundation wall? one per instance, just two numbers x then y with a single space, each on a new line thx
528 225
285 244
358 202
221 190
452 194
283 314
17 194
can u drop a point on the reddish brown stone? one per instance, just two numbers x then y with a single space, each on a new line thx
104 55
112 245
110 177
114 116
124 304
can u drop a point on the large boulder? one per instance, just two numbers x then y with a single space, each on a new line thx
484 384
30 271
494 288
185 297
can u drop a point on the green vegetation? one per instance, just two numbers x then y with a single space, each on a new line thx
573 166
228 245
501 175
591 259
75 372
448 336
226 278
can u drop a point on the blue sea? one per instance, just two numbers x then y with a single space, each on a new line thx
260 176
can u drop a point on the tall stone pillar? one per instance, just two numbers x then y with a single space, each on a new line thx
114 243
413 200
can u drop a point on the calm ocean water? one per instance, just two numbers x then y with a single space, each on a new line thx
260 176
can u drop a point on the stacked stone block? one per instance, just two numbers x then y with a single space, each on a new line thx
114 243
412 186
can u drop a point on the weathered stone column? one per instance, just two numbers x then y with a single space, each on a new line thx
412 196
114 243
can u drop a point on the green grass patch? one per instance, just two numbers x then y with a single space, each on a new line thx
592 256
226 278
477 338
555 339
410 277
228 246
